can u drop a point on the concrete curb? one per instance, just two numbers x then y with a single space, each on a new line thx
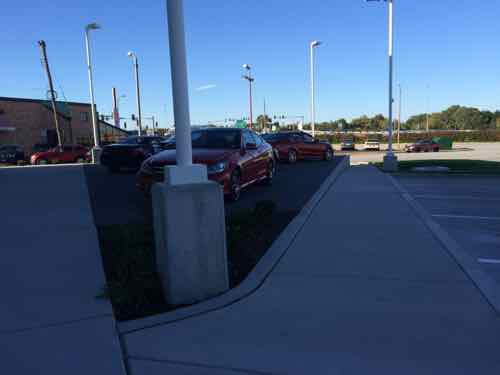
256 278
472 269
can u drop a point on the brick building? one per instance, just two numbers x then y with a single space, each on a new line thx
26 122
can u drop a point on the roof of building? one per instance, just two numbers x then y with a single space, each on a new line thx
61 106
40 101
113 126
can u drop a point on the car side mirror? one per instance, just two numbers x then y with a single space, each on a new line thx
251 146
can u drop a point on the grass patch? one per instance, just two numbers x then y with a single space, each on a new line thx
128 253
456 166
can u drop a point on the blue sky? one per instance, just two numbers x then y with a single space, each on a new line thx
445 50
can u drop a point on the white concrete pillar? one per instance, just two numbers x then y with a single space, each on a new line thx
188 210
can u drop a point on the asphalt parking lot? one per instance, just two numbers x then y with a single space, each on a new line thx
115 199
468 208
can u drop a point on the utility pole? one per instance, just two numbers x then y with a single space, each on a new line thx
42 45
133 56
116 113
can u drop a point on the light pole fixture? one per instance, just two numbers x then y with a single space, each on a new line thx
314 44
133 56
97 148
390 160
250 80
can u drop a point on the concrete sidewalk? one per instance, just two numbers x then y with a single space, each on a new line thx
50 274
363 288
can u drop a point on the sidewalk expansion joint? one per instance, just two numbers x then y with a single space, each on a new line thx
58 324
373 278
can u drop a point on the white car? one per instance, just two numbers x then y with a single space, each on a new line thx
372 145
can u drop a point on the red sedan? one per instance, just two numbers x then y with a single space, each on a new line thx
68 154
425 146
292 146
235 158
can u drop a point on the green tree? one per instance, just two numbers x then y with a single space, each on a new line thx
264 121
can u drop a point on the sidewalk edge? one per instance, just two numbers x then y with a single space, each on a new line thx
256 278
466 262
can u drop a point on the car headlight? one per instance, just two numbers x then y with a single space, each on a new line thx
147 167
217 167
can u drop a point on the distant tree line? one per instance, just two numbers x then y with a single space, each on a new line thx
456 118
453 118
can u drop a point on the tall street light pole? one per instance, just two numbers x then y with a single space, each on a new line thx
399 114
133 56
250 80
390 160
391 75
313 45
427 110
96 150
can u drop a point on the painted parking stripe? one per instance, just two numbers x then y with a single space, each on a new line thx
458 197
489 261
468 217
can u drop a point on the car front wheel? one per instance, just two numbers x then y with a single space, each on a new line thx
271 170
42 162
292 156
235 186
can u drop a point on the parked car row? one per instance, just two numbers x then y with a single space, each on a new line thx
130 152
13 154
369 145
293 146
374 145
55 155
235 158
423 146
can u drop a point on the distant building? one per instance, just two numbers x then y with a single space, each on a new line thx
26 122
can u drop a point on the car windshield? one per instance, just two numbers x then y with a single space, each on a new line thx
223 138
